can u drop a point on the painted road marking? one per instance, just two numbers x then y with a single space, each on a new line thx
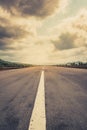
38 118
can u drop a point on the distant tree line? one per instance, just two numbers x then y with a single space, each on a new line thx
7 65
75 65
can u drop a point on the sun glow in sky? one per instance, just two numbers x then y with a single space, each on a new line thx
43 31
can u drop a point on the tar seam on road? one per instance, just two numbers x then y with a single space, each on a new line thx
38 118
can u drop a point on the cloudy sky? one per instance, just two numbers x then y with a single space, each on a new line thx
43 31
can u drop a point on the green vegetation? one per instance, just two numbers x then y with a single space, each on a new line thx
77 65
81 65
11 65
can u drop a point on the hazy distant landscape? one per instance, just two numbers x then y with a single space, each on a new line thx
82 65
4 65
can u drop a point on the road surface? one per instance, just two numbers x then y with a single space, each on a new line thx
64 98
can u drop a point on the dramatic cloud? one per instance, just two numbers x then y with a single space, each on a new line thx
72 33
65 41
6 44
12 32
38 8
28 34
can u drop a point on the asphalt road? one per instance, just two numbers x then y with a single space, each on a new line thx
65 98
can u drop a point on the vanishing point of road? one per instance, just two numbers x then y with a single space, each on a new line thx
49 98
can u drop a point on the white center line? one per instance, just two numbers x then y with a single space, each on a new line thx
38 118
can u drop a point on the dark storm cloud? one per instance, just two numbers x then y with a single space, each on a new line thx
38 8
5 44
11 32
9 35
65 41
